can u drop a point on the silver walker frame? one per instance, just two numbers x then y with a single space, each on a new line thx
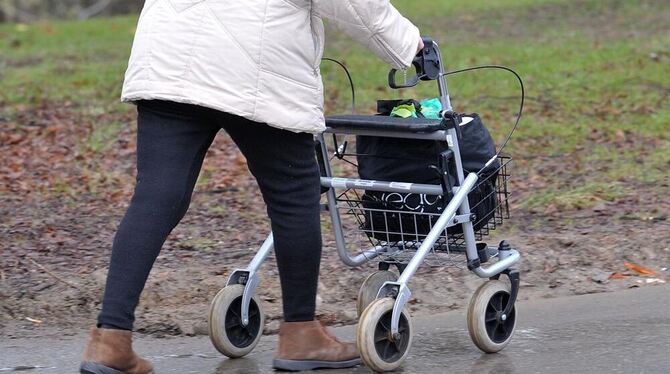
457 212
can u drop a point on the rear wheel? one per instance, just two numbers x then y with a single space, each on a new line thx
380 350
226 331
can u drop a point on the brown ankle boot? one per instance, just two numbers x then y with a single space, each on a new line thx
308 345
110 351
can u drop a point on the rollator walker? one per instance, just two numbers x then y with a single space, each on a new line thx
384 333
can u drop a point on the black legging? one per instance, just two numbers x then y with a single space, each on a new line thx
172 141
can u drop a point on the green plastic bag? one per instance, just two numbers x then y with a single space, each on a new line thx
426 108
404 111
431 108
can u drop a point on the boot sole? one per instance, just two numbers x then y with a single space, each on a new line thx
299 365
95 368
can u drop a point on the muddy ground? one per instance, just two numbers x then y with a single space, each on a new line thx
60 203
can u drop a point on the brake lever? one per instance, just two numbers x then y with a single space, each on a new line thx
427 64
408 83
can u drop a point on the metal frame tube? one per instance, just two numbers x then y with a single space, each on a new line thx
436 135
372 185
439 226
262 254
442 82
502 264
252 279
340 243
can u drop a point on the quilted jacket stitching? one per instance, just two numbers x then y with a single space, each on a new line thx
230 35
296 6
184 9
288 79
260 59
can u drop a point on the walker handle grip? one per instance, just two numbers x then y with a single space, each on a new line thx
426 63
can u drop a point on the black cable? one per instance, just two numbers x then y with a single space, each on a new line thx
523 96
458 71
351 82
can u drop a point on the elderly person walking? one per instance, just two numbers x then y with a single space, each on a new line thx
250 68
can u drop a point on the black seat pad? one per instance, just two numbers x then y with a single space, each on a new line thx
384 123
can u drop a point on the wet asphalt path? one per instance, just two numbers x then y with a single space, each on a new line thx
622 332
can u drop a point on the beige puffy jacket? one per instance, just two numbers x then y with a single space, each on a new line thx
258 59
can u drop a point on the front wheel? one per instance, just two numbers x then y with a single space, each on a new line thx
488 328
370 287
226 331
380 350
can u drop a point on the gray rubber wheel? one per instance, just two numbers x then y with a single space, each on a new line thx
226 331
370 287
487 330
381 352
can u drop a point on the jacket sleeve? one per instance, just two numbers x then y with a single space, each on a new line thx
376 24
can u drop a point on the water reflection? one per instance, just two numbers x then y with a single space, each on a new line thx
498 363
244 365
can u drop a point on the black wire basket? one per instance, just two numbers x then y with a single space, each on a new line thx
405 230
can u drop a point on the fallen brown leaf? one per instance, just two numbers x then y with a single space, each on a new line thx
639 269
617 275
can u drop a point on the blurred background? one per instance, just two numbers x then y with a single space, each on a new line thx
590 181
32 10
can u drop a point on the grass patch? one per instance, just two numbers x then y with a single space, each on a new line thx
103 136
79 61
576 198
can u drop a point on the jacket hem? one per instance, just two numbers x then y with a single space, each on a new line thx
152 95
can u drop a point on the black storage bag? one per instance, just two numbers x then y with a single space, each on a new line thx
413 161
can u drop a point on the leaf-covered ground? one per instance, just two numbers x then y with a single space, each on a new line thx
590 180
